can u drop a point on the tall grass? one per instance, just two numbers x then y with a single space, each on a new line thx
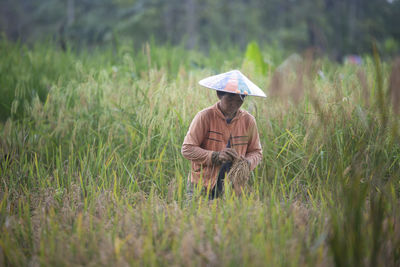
92 171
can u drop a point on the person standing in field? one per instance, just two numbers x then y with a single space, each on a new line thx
222 133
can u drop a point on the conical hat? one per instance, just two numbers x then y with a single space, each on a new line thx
232 82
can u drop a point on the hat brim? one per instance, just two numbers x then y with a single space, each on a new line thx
232 82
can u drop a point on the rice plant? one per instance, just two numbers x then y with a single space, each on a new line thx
91 170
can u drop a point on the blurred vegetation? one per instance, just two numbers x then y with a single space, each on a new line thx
332 27
27 72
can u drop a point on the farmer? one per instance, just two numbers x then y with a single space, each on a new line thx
222 133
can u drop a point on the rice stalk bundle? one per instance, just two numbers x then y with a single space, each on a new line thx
239 175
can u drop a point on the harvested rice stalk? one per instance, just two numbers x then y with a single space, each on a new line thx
239 175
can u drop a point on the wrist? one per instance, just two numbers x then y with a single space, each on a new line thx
215 158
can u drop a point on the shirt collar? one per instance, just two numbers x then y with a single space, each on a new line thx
221 115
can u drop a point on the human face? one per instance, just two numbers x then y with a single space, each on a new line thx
230 103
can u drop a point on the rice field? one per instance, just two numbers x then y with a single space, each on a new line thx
92 174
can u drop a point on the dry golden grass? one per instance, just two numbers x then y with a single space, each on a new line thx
239 175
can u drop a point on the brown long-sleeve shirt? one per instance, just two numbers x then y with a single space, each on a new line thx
210 132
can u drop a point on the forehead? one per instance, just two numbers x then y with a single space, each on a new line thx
232 97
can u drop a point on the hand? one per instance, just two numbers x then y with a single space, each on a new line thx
226 155
230 153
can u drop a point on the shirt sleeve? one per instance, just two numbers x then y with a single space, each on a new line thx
191 149
254 150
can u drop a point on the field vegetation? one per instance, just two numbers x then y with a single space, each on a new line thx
92 174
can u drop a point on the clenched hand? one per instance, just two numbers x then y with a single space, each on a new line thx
226 155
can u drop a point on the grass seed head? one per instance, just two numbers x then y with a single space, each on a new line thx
239 175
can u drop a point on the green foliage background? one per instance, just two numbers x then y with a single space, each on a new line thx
336 28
